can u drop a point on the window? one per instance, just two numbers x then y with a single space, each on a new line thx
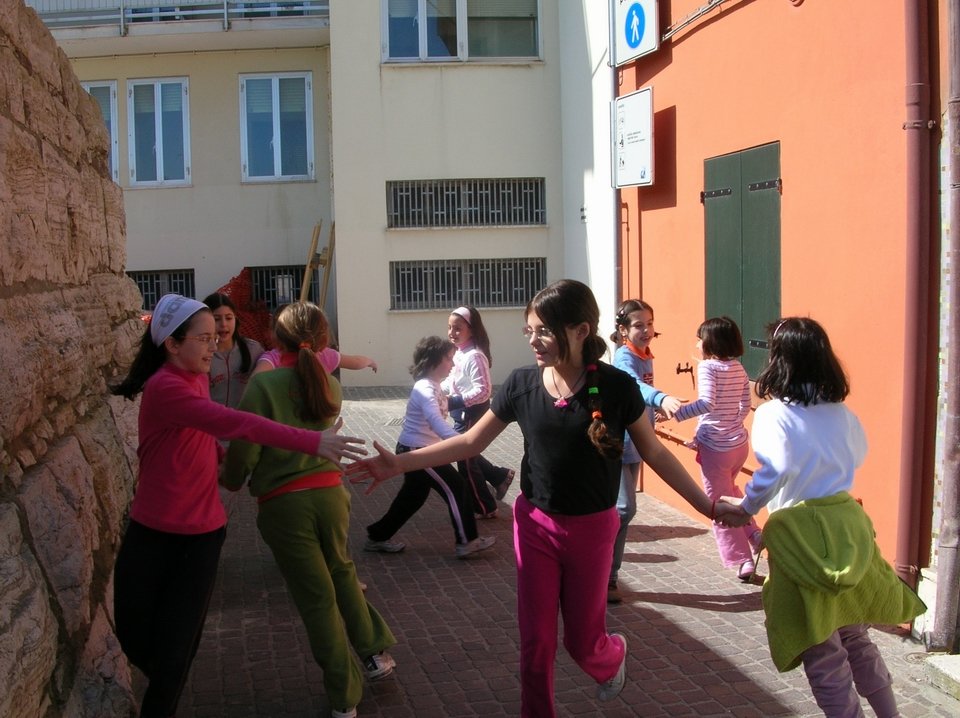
445 283
276 126
466 203
155 284
279 285
105 93
159 132
445 30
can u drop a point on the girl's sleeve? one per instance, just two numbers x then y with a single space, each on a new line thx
772 449
270 358
181 407
651 395
243 456
707 391
256 351
477 370
745 400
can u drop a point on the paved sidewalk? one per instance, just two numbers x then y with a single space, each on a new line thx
696 637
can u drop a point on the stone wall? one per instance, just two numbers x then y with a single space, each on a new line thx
68 323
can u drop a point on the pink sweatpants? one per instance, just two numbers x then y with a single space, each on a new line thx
563 563
846 664
718 470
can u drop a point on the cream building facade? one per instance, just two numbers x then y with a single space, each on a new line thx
461 148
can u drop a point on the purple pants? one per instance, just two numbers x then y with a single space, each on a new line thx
718 470
563 564
847 659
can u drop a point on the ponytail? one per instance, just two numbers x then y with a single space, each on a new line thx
610 447
302 327
318 404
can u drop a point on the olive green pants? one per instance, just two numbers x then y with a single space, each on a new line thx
307 533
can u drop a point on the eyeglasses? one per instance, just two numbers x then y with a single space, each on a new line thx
540 333
205 339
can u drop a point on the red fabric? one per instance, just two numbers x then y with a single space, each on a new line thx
323 480
254 316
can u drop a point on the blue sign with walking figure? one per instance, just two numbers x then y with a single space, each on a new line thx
633 28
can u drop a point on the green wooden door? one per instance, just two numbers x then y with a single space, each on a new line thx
742 244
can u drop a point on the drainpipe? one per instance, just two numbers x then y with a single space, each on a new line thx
943 637
915 437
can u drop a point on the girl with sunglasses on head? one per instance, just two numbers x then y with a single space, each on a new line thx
573 411
167 562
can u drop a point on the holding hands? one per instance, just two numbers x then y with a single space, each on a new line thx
668 407
727 512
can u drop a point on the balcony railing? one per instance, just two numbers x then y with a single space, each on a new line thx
63 14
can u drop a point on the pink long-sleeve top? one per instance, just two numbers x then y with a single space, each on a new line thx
179 454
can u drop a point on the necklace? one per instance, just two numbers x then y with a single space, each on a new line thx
561 402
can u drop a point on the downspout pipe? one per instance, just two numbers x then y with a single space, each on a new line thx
943 637
915 433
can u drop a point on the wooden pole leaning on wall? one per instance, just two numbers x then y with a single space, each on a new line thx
312 262
327 262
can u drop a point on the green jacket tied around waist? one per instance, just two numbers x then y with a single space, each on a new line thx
826 572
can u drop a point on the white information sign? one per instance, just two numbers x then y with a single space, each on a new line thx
632 133
635 29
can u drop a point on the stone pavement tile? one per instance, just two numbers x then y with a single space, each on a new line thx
696 636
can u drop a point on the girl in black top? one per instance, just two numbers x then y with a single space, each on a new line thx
573 411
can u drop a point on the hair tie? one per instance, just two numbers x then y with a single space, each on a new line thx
305 345
591 367
597 414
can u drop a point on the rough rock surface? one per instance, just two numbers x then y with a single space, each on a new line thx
68 325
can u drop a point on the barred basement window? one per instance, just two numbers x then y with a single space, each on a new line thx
447 283
466 203
153 285
279 285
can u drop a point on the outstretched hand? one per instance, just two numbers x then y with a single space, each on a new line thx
379 468
336 448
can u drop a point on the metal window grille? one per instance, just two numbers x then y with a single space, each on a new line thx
153 285
444 283
276 286
466 202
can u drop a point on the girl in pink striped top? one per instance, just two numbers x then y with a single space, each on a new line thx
721 440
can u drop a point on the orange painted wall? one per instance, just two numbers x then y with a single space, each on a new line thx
826 80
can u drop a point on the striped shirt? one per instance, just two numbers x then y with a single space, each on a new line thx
723 404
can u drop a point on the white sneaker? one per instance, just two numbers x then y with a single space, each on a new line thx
611 689
481 543
379 665
384 546
345 713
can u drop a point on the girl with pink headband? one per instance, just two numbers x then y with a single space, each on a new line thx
469 389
